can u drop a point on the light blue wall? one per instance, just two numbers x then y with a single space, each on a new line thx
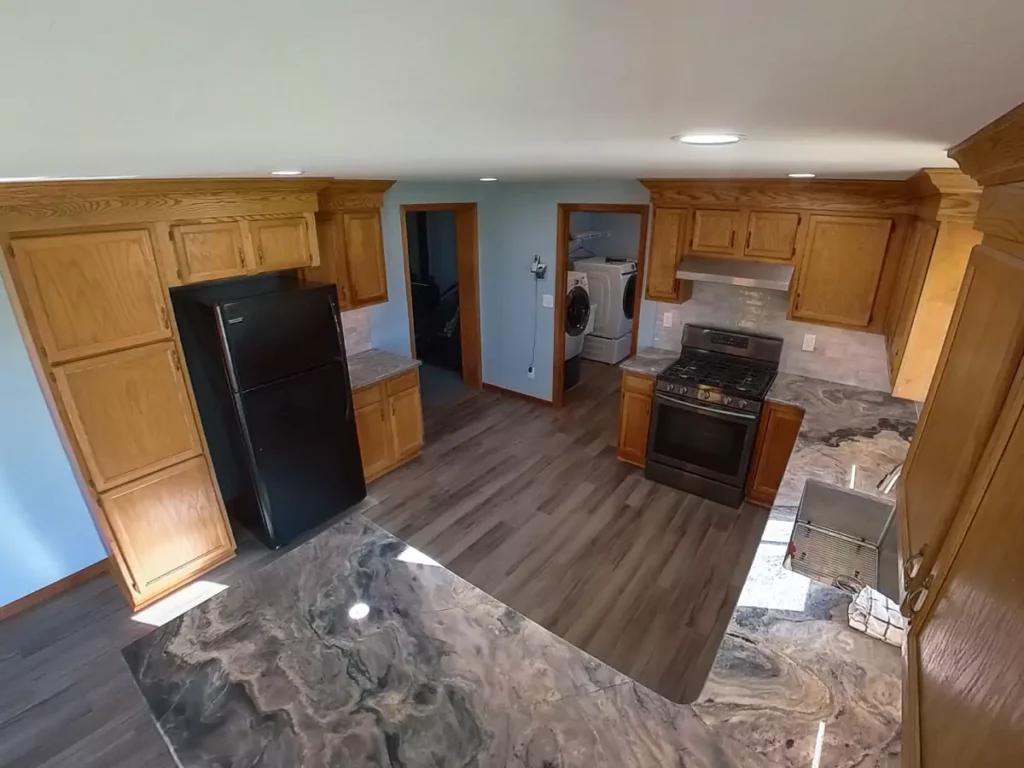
46 531
514 221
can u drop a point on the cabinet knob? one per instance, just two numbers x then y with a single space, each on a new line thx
259 254
747 247
732 238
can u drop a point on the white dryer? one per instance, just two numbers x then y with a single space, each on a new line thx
612 284
579 321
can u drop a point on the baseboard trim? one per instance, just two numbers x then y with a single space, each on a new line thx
52 590
520 395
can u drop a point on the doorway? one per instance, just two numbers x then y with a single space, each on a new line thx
607 243
443 295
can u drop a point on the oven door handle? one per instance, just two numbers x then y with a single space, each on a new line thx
707 408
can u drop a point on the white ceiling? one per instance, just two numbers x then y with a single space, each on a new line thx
453 89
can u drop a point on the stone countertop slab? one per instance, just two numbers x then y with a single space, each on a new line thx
374 365
649 361
281 671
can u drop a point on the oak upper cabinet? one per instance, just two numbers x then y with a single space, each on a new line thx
771 235
364 257
776 436
714 231
209 251
372 428
283 243
838 274
130 412
94 293
406 414
667 242
167 527
635 404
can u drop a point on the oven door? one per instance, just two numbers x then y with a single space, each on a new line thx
706 440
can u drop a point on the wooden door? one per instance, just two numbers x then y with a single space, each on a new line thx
375 443
715 231
90 294
839 271
281 243
364 257
130 412
635 417
667 241
167 526
984 343
776 437
406 415
771 235
964 703
209 251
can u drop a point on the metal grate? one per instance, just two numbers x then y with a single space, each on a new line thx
832 558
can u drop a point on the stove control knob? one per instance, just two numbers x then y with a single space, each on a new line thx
728 400
703 394
683 391
742 403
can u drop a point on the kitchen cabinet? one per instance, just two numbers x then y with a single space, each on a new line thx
364 257
389 423
714 231
838 274
668 238
130 412
92 293
776 436
209 251
635 403
167 527
771 235
281 243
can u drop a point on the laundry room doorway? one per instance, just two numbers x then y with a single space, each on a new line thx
442 290
599 270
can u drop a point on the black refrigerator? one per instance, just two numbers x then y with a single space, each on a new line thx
273 392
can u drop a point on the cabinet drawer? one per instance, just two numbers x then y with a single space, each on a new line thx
634 382
367 396
402 382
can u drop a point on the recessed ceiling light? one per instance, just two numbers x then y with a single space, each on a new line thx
708 138
359 611
802 175
488 178
286 173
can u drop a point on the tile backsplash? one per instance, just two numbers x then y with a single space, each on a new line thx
843 356
356 326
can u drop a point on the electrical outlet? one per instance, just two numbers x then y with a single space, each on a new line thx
667 319
549 300
530 372
809 339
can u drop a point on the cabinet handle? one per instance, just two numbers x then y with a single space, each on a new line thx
732 238
344 294
259 253
914 600
164 319
241 255
176 361
913 564
747 247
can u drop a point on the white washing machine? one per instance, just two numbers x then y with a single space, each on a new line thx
612 285
579 321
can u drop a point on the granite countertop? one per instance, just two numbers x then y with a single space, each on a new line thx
284 670
790 667
373 365
649 361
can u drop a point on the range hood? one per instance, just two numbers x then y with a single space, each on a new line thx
750 274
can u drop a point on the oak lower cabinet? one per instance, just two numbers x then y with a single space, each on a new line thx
776 436
389 423
635 404
838 275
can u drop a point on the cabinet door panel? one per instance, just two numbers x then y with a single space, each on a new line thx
634 424
666 250
406 423
209 251
130 412
364 257
375 444
776 437
92 293
840 269
771 235
167 526
984 343
281 243
715 231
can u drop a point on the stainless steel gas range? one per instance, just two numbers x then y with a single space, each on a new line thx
707 406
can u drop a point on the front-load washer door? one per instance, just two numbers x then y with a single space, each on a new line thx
577 311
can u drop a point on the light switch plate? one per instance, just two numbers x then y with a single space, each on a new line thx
549 300
666 319
809 339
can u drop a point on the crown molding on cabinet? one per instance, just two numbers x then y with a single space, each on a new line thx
944 194
994 154
352 195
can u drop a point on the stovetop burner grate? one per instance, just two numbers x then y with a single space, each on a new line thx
733 375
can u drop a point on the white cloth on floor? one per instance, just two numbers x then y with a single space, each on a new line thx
877 616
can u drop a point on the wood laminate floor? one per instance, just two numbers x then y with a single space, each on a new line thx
528 503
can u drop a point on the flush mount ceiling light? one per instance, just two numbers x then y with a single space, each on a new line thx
801 175
359 611
708 138
488 178
286 173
